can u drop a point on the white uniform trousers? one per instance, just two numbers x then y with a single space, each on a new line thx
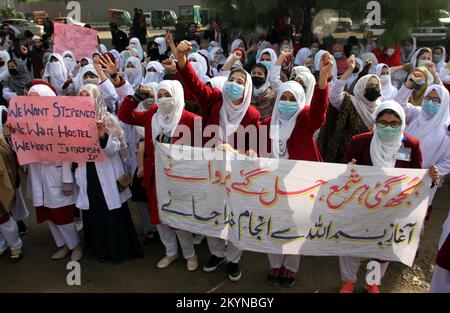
291 262
350 266
64 235
218 248
9 236
169 239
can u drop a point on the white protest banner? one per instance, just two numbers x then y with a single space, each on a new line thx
80 40
293 207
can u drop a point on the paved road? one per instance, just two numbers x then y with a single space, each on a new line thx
37 273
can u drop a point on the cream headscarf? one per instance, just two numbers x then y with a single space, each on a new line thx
364 107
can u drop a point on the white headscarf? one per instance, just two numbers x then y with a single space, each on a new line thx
167 124
85 69
101 113
4 72
389 91
200 66
272 53
373 58
261 46
430 131
57 72
162 45
302 55
407 58
218 82
232 115
364 107
317 59
154 76
308 79
212 56
383 154
237 43
42 90
136 44
281 129
354 76
69 62
137 78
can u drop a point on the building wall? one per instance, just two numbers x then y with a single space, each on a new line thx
97 11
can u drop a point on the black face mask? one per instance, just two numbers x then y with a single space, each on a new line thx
356 70
258 81
13 72
2 63
372 94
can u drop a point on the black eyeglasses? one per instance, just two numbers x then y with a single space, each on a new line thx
393 124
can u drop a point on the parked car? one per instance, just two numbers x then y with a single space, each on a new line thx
23 25
67 20
120 17
148 18
163 18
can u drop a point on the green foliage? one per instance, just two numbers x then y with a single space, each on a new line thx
9 12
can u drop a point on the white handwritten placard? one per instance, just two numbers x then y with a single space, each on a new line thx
294 207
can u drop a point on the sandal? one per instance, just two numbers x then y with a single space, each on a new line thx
15 258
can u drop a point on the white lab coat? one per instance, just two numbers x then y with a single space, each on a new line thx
109 171
45 183
109 94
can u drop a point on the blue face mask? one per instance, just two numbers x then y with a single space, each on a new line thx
337 55
430 108
234 91
388 134
287 109
267 64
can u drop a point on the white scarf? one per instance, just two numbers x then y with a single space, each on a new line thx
383 154
364 107
57 72
4 72
302 55
272 53
149 78
167 124
308 79
389 91
136 79
136 44
69 62
281 129
232 115
198 62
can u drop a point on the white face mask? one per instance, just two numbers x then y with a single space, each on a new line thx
384 80
151 77
423 63
93 81
390 51
130 72
166 105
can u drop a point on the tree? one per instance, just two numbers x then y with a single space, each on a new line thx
9 12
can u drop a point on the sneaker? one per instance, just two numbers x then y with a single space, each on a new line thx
213 263
234 272
198 239
347 287
61 253
77 254
16 255
23 230
273 278
192 264
166 261
287 277
372 288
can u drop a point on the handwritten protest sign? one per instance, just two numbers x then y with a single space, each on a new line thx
80 40
294 207
54 129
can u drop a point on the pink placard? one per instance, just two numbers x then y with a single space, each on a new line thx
54 129
80 40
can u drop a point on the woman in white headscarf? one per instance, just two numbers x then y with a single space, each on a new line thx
216 59
56 72
226 110
268 57
69 61
306 79
372 58
263 96
4 58
439 57
154 72
109 231
133 72
384 74
162 45
381 149
136 44
162 123
348 115
217 82
426 123
292 126
302 55
53 192
198 62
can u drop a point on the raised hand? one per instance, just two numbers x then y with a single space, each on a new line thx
169 65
